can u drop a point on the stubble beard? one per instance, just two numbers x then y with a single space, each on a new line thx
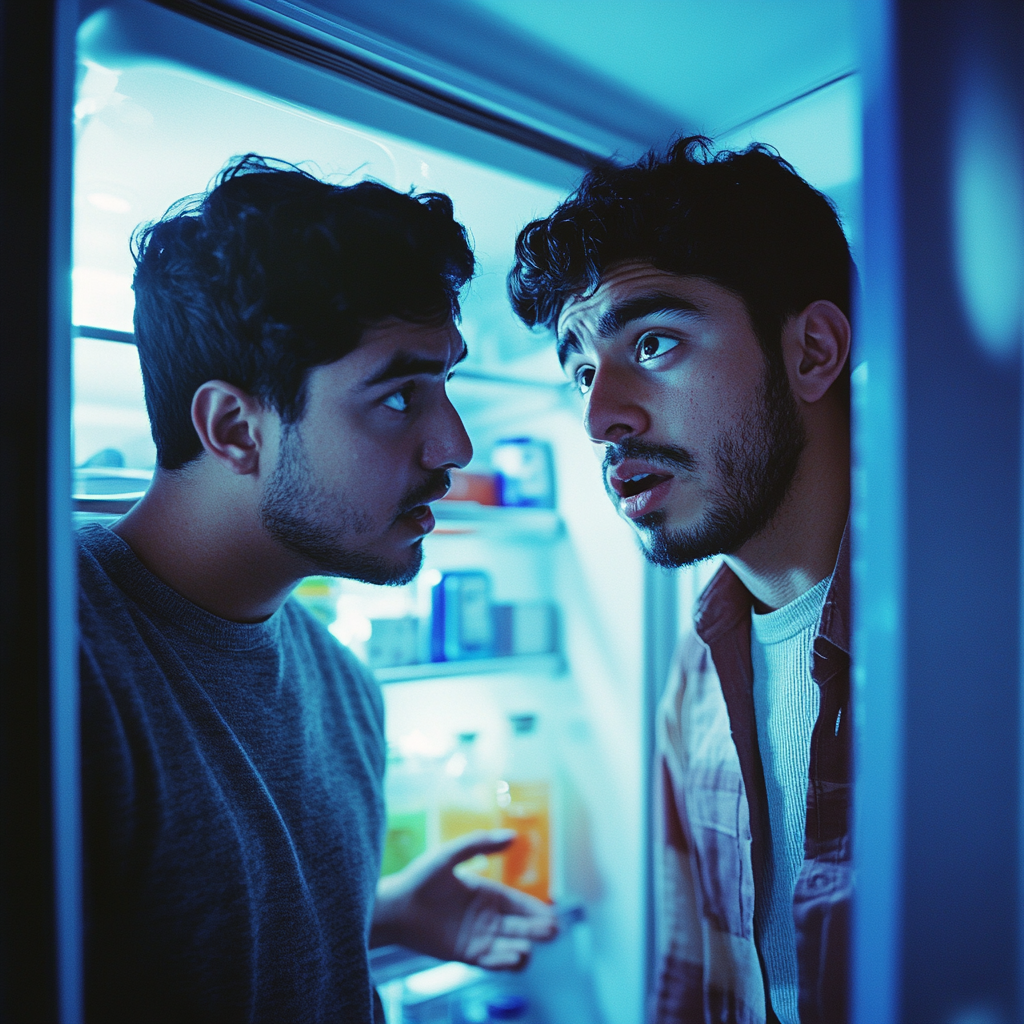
754 468
296 513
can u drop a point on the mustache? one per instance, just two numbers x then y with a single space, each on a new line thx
617 452
436 485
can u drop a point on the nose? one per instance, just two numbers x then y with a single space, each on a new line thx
448 446
614 407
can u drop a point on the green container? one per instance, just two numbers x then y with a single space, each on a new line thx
405 840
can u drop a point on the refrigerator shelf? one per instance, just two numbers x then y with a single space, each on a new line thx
496 522
453 518
388 963
521 664
528 665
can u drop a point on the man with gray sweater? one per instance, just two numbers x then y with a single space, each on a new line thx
295 340
702 309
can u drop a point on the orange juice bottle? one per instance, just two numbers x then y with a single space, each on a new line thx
524 796
468 803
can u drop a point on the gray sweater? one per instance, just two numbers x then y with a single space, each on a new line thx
232 782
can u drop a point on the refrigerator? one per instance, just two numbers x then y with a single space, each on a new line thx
535 632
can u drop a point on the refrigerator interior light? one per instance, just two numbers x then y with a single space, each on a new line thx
436 981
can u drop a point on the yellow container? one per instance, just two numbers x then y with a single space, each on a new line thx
468 804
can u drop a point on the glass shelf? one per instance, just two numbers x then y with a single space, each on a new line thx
498 522
454 518
521 664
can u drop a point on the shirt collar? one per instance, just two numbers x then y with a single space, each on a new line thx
726 601
835 616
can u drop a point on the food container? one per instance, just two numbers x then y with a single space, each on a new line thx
393 642
461 624
525 473
479 487
530 628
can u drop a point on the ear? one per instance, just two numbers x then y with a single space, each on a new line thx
815 347
229 424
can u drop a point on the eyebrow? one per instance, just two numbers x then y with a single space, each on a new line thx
408 364
615 319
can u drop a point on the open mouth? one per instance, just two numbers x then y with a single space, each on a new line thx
638 488
638 483
423 498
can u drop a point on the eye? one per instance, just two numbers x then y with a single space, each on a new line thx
651 345
583 378
400 400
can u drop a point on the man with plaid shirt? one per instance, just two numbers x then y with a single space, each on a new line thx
702 309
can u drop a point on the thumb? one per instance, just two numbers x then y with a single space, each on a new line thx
493 841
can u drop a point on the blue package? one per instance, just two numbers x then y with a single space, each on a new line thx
526 475
461 624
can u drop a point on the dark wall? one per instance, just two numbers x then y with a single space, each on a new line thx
27 939
39 835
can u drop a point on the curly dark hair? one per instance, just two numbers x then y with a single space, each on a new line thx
273 272
746 221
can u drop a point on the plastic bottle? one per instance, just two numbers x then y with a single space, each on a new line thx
468 802
524 796
406 797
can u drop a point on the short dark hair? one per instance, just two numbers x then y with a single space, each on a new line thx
746 221
273 272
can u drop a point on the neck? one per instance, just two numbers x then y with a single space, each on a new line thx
800 546
202 536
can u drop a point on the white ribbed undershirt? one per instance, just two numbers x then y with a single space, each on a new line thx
785 709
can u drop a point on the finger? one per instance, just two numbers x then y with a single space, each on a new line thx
505 954
493 841
537 928
512 901
494 962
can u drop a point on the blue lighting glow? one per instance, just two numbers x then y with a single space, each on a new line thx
987 198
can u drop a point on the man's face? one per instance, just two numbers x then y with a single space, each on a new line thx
351 486
702 437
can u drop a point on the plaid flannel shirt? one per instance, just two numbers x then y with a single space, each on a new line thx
711 819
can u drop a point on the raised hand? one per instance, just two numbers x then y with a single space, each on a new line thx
431 909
